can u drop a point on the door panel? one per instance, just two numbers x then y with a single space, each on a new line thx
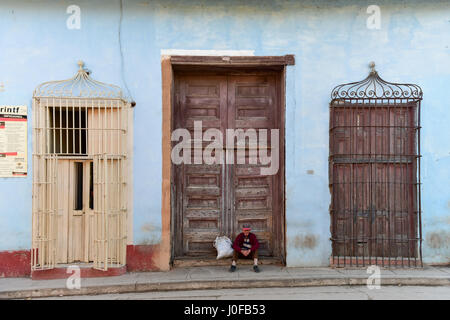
75 217
88 196
76 212
252 105
202 201
63 210
200 185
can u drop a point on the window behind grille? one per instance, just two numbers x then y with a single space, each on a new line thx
67 131
375 173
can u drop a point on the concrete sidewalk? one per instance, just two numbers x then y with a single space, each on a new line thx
218 277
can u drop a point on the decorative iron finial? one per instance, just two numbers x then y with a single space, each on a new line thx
80 64
372 67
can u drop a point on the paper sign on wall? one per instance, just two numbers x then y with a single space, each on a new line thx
13 141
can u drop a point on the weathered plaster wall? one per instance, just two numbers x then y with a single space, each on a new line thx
332 45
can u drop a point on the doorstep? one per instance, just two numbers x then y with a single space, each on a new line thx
207 261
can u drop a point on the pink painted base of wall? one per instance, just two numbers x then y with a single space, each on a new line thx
141 258
14 264
61 273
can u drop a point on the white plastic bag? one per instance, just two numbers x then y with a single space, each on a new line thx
224 247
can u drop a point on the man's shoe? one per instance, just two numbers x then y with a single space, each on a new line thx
256 269
232 268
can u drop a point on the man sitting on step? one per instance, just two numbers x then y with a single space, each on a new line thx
245 246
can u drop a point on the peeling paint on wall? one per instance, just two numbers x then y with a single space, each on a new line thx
438 240
148 227
150 234
308 241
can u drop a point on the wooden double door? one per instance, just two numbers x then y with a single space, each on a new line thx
216 199
89 202
75 211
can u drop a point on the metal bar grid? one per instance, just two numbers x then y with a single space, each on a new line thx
378 218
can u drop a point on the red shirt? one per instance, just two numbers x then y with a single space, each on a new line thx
239 242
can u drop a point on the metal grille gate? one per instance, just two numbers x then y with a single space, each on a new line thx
44 218
80 120
374 168
109 212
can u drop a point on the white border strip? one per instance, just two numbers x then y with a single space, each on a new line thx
182 52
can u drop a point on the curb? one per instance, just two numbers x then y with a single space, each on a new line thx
218 284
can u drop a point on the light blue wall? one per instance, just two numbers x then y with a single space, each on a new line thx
331 44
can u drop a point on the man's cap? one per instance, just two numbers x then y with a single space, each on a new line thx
246 227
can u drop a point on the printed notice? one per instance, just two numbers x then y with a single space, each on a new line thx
13 141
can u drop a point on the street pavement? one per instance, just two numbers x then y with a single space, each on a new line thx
300 293
218 278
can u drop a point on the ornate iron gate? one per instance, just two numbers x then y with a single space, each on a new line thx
374 168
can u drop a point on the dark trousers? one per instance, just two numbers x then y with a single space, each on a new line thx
237 255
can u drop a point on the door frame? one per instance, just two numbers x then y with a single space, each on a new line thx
171 64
